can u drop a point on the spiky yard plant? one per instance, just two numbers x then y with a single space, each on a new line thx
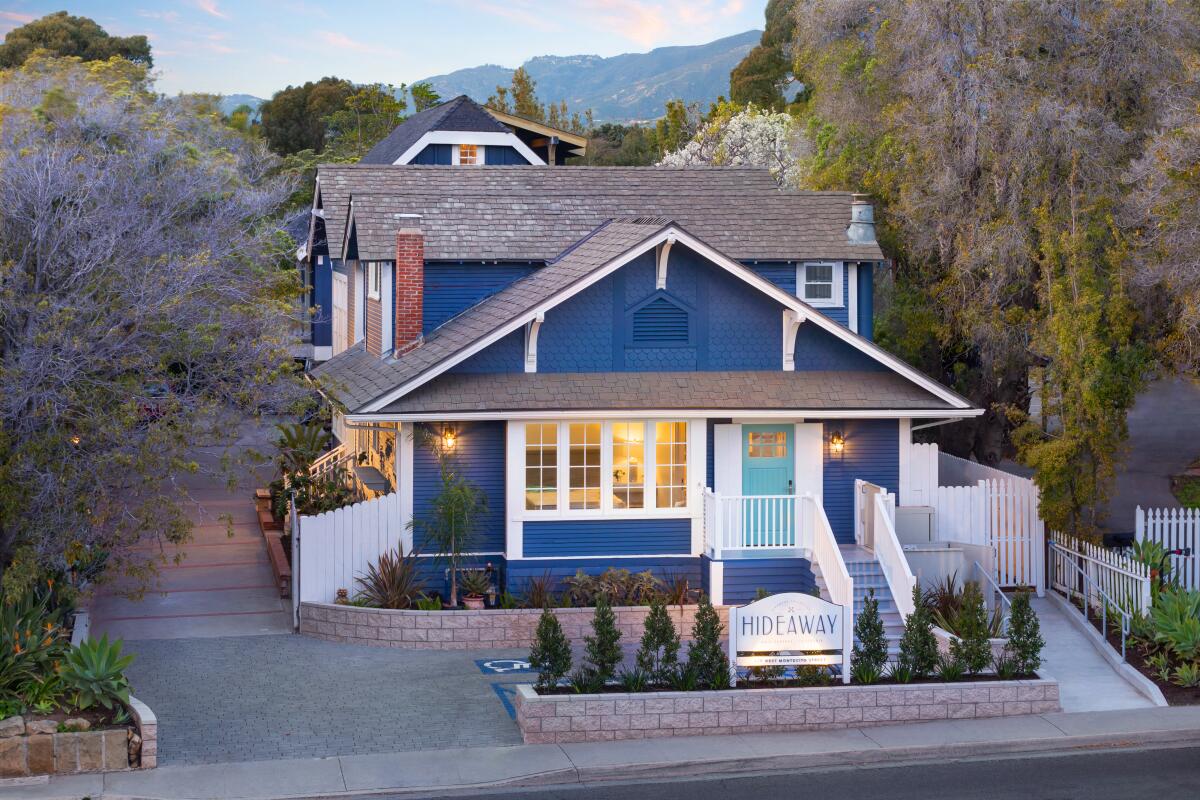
94 674
392 582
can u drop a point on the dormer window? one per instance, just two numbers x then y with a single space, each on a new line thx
468 155
820 284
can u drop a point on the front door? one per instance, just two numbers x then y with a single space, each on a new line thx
768 474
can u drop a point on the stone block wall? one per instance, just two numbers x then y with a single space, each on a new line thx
469 630
36 748
563 718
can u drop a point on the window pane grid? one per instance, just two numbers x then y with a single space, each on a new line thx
628 463
541 467
584 465
670 468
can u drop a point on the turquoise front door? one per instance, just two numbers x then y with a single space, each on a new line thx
768 465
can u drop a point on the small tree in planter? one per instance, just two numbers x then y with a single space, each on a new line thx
551 652
454 513
870 649
1025 640
658 656
602 650
706 660
918 645
972 648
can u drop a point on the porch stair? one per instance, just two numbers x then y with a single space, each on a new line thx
868 577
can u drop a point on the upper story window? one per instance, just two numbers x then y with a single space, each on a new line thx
374 280
468 155
820 284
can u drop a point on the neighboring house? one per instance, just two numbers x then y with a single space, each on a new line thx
603 348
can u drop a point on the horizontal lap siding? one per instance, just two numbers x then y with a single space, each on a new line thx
604 537
744 577
559 569
817 349
872 453
451 289
479 453
435 577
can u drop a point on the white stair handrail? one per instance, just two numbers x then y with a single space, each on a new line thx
890 554
828 557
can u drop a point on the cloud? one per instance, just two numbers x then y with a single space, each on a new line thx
210 7
529 14
342 40
15 16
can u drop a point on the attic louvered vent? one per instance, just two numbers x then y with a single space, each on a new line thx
660 323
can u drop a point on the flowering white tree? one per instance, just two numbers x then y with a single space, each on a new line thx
749 136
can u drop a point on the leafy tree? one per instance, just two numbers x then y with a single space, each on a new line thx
294 119
870 649
140 311
602 650
520 98
756 80
241 118
366 117
1025 640
706 658
424 96
524 97
551 652
613 145
972 648
658 655
677 126
918 645
65 35
736 136
455 512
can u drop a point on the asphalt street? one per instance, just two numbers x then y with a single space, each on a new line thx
1117 775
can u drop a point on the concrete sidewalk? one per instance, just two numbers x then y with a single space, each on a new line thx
572 764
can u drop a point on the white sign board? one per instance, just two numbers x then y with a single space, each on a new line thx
790 629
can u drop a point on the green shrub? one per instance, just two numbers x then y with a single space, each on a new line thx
972 649
1187 675
602 650
685 678
1025 640
870 648
901 671
392 582
1176 617
705 655
425 602
619 587
551 652
31 640
94 673
507 601
1005 666
633 680
918 645
950 669
586 680
659 651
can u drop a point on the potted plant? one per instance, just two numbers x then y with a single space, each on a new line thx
475 584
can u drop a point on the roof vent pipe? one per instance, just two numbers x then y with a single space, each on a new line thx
861 229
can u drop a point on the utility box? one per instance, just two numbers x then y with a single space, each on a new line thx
914 524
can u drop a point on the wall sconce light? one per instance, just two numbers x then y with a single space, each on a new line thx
837 443
448 438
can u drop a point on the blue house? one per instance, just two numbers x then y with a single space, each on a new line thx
643 368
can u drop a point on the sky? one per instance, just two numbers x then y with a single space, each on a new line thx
259 46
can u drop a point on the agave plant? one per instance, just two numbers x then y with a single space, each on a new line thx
392 582
94 673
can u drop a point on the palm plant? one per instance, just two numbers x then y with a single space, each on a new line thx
300 444
392 582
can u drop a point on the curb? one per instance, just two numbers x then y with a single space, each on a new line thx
1143 685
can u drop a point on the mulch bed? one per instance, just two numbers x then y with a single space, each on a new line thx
98 719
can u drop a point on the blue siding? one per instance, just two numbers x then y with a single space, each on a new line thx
452 288
434 154
479 454
866 301
322 321
745 576
663 567
820 350
506 355
436 577
782 274
603 537
872 453
503 155
841 315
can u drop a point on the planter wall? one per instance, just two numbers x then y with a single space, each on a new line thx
27 750
469 630
605 717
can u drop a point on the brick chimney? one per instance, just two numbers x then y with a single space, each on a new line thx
410 285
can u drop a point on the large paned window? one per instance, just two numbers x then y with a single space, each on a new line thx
628 464
541 466
584 465
670 464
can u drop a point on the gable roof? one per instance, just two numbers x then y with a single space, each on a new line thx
365 383
533 213
460 114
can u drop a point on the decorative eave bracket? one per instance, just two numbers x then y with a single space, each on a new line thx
531 340
791 326
664 250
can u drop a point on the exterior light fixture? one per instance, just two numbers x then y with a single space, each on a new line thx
75 440
448 438
837 443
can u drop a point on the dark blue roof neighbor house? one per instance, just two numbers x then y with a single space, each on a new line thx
643 368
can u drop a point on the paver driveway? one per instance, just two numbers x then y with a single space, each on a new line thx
253 698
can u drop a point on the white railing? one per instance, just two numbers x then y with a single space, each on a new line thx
1003 515
758 523
337 546
890 555
328 462
827 555
1082 569
1178 531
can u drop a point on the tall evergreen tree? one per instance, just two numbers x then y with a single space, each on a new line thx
602 650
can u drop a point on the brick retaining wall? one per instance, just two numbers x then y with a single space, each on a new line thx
605 717
469 630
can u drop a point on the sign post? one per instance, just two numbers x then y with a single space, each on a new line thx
790 629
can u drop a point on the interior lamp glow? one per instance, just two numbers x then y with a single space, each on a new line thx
837 443
448 439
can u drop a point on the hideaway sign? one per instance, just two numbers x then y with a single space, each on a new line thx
788 630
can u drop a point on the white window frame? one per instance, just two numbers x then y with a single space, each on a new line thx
480 150
837 288
374 280
649 485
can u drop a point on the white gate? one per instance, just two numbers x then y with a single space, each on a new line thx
1175 529
336 547
340 293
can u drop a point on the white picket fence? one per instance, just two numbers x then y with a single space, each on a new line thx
1111 576
1174 529
336 547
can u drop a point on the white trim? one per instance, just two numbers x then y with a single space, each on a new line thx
664 252
852 296
438 555
806 311
360 301
691 413
531 342
727 459
404 481
514 484
485 138
597 558
374 271
322 352
387 303
791 326
809 472
697 477
716 582
835 289
904 492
